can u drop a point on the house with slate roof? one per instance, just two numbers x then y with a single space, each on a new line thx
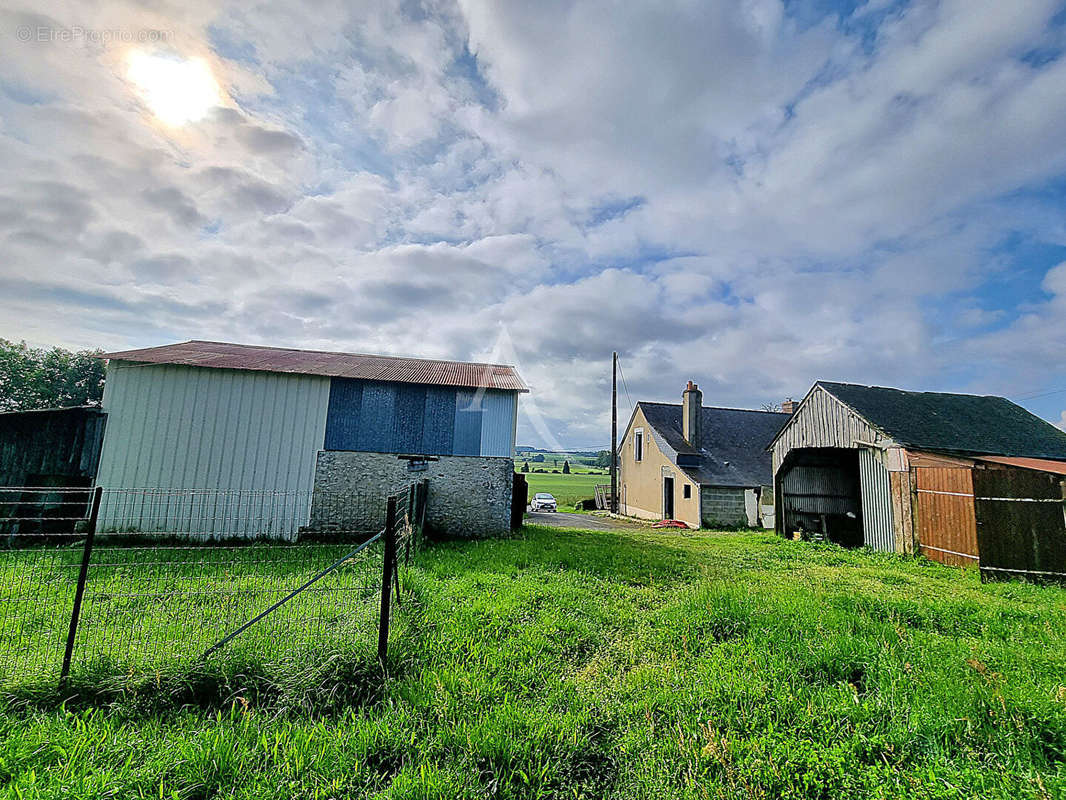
963 479
705 466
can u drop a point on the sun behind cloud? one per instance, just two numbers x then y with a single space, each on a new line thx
177 90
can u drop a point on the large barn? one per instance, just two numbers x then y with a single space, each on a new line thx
961 478
294 428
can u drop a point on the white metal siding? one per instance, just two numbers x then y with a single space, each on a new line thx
177 427
498 418
876 501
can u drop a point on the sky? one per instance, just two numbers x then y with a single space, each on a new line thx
753 195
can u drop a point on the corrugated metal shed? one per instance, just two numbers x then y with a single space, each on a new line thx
176 427
224 355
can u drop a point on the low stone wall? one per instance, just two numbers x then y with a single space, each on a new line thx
469 496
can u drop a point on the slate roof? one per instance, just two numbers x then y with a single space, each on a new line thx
224 355
733 443
953 423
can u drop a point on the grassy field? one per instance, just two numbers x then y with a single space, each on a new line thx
567 489
627 665
582 464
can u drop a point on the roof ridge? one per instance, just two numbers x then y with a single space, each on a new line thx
910 391
712 408
320 352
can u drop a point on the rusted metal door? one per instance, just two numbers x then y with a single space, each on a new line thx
947 528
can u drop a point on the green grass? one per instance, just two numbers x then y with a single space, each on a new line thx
149 609
628 665
567 489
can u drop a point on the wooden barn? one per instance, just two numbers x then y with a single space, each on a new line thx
50 447
962 479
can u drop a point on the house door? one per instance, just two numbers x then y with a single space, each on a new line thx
668 497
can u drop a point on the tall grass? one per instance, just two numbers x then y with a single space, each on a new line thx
630 665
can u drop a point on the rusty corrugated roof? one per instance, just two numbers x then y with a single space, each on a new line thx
224 355
1041 464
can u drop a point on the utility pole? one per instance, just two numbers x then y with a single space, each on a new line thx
614 434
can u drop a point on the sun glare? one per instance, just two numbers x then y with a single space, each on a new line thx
177 90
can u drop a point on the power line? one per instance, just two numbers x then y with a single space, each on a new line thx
624 384
1040 394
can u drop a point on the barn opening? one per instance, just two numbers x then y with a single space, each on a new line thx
821 494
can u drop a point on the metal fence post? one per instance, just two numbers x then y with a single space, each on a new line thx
389 564
79 593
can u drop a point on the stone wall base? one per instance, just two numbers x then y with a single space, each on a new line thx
469 496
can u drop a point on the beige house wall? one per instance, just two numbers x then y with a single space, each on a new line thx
640 483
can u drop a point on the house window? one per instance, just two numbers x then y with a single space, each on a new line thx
688 492
638 444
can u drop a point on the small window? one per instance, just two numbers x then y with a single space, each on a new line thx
638 444
688 491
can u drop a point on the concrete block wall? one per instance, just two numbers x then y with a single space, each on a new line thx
722 506
469 496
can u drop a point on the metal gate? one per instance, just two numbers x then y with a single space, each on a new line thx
1021 524
948 528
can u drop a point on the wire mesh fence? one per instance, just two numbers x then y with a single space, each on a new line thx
150 580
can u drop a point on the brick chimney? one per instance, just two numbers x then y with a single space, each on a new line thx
789 406
691 404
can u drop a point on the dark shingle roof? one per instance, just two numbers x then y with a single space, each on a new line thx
732 442
957 423
224 355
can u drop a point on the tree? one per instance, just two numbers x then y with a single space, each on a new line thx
603 459
566 468
538 458
525 466
48 378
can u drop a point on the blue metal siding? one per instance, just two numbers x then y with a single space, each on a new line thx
375 424
408 419
384 417
438 429
342 418
468 418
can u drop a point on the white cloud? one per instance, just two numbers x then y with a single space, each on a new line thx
717 191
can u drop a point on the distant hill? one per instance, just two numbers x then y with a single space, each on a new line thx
521 449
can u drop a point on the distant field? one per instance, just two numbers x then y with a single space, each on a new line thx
555 461
567 489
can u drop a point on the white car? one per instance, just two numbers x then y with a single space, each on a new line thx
542 501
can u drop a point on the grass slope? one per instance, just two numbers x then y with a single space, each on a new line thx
629 665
